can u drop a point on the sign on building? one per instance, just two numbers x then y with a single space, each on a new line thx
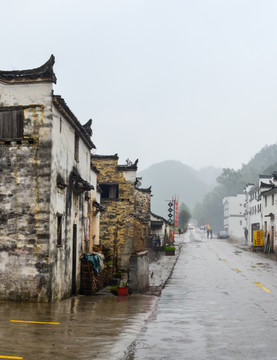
258 239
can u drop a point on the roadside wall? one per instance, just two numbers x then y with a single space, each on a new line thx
139 272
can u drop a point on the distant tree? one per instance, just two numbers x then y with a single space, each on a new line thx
232 182
184 216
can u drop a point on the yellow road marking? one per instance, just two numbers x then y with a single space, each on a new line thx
225 260
10 357
263 287
35 322
237 270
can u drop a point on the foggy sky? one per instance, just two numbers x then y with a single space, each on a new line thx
189 80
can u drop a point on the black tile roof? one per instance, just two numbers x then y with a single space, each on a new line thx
43 73
62 107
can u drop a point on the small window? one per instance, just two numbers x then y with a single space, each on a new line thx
272 199
240 222
265 201
11 124
59 230
109 191
76 147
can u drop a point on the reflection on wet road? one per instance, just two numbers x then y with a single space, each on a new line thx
98 327
220 303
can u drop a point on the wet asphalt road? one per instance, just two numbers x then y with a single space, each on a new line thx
97 327
220 303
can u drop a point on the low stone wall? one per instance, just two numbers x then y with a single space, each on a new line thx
139 272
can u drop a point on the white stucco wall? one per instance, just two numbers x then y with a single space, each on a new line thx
25 94
74 211
234 219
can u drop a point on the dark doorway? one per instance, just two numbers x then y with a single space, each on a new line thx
74 252
254 227
272 238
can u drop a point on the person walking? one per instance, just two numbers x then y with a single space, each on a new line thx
246 235
211 233
208 232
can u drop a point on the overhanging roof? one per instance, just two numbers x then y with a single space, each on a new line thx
43 73
62 107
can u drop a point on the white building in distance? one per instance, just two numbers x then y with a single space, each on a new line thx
234 218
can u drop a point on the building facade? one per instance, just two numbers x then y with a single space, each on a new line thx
234 217
125 224
254 205
45 180
160 228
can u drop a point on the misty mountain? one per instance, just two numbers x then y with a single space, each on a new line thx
209 175
172 178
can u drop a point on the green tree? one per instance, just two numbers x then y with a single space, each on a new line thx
184 216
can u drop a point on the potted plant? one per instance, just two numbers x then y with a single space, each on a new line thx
170 250
122 289
113 289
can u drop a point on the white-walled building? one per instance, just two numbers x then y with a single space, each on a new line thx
45 180
247 205
234 218
159 228
269 212
254 204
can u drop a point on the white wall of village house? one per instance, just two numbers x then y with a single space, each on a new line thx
94 228
31 264
234 217
163 231
25 94
25 194
269 218
255 206
74 210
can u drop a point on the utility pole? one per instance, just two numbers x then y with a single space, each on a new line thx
173 205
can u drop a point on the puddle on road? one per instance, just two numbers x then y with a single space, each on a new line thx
237 252
96 327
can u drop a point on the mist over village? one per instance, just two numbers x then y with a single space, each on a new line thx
138 212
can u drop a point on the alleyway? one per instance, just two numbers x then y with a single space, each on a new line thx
220 303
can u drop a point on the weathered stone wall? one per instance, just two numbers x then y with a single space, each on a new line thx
33 266
143 219
143 205
139 272
24 211
140 236
117 223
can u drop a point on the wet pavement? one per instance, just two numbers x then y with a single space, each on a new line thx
102 326
220 303
98 327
